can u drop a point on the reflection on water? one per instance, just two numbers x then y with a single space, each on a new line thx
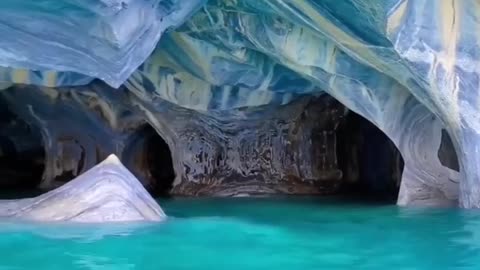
246 233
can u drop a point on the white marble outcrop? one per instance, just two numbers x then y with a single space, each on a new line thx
106 193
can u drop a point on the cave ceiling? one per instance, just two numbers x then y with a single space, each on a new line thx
409 67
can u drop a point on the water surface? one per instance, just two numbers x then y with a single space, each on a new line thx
246 233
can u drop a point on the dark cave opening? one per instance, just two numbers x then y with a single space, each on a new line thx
22 156
371 164
149 158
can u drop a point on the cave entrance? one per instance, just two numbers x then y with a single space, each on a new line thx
22 156
372 166
149 158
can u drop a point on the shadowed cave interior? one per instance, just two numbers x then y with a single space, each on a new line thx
148 156
22 156
370 165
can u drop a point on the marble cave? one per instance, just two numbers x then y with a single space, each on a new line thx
233 98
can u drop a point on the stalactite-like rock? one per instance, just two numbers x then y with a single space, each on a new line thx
106 193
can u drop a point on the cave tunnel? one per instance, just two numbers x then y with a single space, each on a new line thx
371 164
149 157
22 156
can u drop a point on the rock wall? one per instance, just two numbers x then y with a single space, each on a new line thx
289 149
409 67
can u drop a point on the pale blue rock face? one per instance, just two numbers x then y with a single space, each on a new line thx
363 53
106 39
409 67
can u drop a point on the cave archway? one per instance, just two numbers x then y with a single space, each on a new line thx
372 165
22 156
149 158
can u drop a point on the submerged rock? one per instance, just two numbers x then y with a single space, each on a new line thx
106 193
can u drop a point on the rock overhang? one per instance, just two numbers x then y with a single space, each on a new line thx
408 67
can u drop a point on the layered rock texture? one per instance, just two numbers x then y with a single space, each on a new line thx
106 193
240 91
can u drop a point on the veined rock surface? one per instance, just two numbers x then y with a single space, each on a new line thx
106 193
411 68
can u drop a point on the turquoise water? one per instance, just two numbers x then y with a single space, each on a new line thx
255 234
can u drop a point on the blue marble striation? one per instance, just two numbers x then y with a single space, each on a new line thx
411 67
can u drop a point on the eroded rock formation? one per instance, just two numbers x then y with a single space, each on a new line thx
270 149
228 87
106 193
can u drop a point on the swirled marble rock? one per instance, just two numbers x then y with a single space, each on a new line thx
288 149
106 193
82 39
393 62
411 67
